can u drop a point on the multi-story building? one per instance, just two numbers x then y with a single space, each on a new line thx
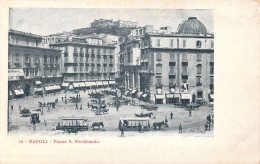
30 63
87 59
177 65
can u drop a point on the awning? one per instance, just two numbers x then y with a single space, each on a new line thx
139 94
88 84
176 95
144 95
185 96
56 87
37 89
112 82
172 90
18 92
76 85
49 88
65 84
38 82
10 93
99 83
211 96
134 91
93 83
15 72
159 96
169 96
105 82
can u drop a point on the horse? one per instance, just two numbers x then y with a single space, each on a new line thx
98 124
105 110
159 124
93 107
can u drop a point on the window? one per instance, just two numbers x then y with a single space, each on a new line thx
211 80
45 59
211 68
171 42
184 43
212 57
136 32
198 44
199 94
198 57
212 44
199 69
198 81
171 63
158 68
158 43
159 57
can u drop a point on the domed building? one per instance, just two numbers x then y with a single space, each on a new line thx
174 67
192 26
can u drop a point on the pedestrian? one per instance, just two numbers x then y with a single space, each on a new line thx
79 95
48 109
12 107
122 131
142 129
41 111
65 101
190 113
166 121
139 127
171 115
80 107
88 104
76 106
20 107
209 121
180 128
53 128
45 123
61 98
206 126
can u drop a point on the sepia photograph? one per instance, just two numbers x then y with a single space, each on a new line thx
110 71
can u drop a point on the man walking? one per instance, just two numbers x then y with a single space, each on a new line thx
171 115
180 128
190 113
45 123
122 131
206 126
76 106
12 107
80 107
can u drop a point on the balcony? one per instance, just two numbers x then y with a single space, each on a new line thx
75 54
144 60
27 65
37 64
198 84
17 65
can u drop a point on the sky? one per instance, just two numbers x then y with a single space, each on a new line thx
46 21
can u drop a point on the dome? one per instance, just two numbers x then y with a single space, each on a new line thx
192 26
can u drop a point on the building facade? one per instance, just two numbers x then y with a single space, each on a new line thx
29 61
177 63
87 59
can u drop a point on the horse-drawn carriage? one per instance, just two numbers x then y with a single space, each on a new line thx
160 125
192 106
35 118
134 123
73 125
149 107
100 111
74 99
144 115
25 112
98 125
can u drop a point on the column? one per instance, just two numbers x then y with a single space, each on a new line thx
138 81
128 80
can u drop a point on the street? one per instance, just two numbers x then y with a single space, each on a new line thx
191 125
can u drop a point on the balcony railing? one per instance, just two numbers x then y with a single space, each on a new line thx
184 73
